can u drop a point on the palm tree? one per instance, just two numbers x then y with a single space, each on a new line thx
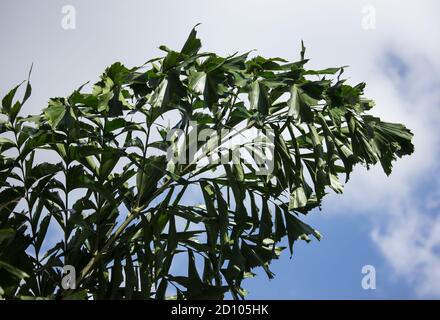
192 157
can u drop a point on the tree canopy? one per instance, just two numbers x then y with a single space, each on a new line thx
89 181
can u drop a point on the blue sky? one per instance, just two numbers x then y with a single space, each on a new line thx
331 269
390 223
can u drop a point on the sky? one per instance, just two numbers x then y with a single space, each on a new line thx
390 223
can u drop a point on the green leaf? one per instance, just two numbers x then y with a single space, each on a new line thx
298 198
6 234
149 175
9 198
6 144
296 229
114 124
130 278
108 162
280 229
7 100
223 216
170 90
294 103
14 111
78 295
44 225
19 274
115 105
192 44
266 223
253 257
335 184
212 228
324 71
117 72
41 170
195 284
197 81
258 97
58 113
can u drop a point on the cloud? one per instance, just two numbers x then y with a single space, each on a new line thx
410 242
405 206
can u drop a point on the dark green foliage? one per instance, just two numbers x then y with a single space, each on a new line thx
121 212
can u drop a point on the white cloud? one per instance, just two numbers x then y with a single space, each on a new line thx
410 242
